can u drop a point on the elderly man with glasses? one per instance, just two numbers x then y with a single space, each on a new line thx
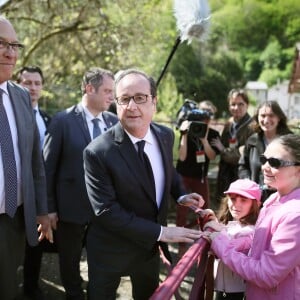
129 176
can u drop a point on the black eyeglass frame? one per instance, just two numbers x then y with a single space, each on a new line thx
125 100
14 46
276 162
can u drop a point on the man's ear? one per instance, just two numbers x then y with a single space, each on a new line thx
154 100
89 89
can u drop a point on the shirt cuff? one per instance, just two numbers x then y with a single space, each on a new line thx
180 199
160 234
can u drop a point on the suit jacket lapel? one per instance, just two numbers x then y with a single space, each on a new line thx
81 121
45 117
108 120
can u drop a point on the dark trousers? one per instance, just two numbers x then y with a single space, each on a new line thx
70 238
32 264
103 284
12 245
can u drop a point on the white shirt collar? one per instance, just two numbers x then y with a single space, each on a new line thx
149 138
89 116
3 87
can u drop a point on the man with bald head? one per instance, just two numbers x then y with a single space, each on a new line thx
23 201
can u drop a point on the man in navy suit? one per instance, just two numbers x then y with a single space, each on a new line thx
70 131
32 78
130 208
31 201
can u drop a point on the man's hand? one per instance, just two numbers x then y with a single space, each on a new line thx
195 200
179 235
53 220
44 228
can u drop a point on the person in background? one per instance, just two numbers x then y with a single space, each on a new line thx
69 133
233 138
270 122
269 259
23 201
32 78
130 204
195 154
238 214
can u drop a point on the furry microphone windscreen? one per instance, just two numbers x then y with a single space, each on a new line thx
193 17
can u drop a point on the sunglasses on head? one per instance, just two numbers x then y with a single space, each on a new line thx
276 162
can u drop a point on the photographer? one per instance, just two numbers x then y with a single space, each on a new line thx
195 152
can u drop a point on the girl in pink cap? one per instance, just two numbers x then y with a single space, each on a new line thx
269 261
237 216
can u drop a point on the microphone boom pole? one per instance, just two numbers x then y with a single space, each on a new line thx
177 42
192 18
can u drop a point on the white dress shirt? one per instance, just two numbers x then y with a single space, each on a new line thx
40 124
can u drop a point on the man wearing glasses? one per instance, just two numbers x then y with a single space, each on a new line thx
23 202
129 176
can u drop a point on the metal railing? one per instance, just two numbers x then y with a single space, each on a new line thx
197 255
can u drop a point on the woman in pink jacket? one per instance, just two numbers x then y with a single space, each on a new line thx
269 261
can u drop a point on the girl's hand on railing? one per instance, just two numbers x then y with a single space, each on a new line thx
209 236
214 226
212 229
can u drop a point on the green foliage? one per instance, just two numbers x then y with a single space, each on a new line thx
248 40
271 56
169 100
270 76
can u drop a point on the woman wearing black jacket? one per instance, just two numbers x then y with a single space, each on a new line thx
271 122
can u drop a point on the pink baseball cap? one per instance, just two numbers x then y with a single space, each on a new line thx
246 188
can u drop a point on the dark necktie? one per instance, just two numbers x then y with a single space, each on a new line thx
9 162
146 162
96 129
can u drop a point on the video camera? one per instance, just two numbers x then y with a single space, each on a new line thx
184 111
196 118
197 127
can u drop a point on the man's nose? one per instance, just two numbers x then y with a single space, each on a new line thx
131 104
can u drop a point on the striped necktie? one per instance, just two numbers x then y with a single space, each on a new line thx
9 162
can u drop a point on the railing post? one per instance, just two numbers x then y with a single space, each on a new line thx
197 251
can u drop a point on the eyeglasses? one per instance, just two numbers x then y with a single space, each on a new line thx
138 99
14 46
276 162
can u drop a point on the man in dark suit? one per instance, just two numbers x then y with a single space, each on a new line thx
130 209
30 202
32 78
69 133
